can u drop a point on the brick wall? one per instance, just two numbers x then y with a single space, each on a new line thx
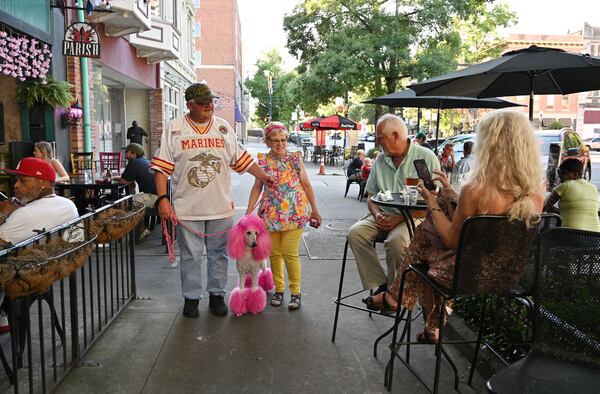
156 120
76 138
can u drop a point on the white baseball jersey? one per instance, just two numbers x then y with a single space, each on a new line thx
198 157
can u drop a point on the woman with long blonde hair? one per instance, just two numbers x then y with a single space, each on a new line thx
43 150
506 180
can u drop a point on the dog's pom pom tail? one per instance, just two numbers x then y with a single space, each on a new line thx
237 302
265 280
257 300
248 281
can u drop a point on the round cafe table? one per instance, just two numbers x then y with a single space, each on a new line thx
405 209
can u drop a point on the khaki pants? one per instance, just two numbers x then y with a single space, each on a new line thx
145 198
361 236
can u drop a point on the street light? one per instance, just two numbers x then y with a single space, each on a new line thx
270 89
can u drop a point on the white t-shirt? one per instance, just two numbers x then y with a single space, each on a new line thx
199 157
45 213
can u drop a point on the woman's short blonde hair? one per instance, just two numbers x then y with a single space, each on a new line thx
507 160
273 128
45 148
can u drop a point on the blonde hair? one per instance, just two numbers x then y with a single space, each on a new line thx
46 149
508 161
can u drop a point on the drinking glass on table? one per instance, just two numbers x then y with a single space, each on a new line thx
413 195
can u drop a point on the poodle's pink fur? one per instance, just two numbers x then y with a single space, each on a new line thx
236 241
250 244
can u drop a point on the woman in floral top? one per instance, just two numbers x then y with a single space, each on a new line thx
285 207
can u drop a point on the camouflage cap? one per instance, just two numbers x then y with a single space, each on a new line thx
199 92
135 148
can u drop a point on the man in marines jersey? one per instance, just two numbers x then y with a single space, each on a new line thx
197 151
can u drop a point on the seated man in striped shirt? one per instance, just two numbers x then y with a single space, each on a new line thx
197 151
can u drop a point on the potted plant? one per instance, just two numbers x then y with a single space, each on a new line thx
51 92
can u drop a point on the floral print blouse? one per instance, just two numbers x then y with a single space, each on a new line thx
283 206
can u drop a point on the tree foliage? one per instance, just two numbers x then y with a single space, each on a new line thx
282 99
374 47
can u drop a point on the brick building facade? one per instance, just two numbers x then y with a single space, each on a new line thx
219 55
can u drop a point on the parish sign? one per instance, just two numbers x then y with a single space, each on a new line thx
81 40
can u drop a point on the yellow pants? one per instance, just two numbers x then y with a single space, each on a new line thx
284 247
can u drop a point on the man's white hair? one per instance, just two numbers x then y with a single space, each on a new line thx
389 123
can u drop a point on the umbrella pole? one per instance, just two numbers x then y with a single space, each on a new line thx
531 79
437 128
418 120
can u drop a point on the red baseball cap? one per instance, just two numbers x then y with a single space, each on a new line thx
37 168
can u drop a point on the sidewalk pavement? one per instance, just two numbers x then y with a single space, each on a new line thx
152 348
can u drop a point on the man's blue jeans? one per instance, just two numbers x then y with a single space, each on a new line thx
192 247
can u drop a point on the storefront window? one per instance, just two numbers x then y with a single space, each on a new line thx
155 8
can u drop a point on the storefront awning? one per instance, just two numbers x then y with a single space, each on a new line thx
239 116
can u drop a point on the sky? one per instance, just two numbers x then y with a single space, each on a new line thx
262 23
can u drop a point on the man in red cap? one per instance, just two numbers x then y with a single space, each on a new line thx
35 207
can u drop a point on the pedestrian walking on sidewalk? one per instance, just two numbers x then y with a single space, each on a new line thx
285 208
196 151
135 133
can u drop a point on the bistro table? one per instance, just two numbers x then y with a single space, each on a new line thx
78 187
399 202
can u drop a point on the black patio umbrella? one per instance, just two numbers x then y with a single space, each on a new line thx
408 98
528 71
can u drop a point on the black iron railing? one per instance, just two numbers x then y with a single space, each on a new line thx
51 331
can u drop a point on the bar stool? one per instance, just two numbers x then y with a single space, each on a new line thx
340 299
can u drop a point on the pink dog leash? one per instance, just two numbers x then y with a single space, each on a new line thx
170 238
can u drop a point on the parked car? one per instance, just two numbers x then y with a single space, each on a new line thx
593 143
293 137
458 141
370 137
336 136
304 139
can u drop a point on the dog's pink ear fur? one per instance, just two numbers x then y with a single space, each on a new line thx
263 248
236 242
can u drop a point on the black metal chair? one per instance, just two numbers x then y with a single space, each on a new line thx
317 154
351 180
340 300
565 352
483 238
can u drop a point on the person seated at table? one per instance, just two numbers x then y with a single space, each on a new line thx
497 187
421 139
43 150
137 171
389 172
35 207
365 170
355 165
577 198
464 165
447 158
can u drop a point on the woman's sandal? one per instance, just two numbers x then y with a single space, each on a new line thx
382 306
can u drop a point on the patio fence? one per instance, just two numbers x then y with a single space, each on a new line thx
51 331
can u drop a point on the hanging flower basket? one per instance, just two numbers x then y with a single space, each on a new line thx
36 268
113 223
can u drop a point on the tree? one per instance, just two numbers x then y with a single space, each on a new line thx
282 97
375 47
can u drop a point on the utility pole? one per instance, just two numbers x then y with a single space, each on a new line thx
270 89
